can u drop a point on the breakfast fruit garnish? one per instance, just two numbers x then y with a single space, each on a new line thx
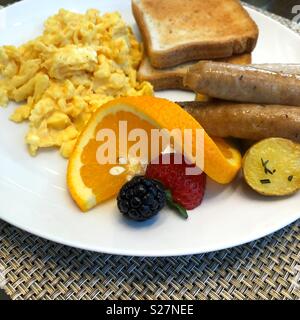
271 167
171 169
141 198
91 183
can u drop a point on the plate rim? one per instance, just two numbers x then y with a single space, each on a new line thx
156 253
152 253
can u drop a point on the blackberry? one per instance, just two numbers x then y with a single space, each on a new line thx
141 198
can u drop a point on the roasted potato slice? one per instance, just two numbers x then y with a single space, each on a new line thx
272 167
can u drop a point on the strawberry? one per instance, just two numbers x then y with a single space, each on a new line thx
185 190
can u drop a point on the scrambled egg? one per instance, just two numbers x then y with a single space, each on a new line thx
79 62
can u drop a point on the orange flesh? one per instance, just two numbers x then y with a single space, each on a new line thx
92 173
224 147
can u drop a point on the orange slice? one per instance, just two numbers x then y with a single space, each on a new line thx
231 153
91 183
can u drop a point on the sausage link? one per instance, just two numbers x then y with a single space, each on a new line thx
290 68
246 121
243 83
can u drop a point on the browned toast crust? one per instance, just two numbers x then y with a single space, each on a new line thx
235 44
172 78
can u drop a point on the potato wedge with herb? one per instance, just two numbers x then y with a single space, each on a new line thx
272 167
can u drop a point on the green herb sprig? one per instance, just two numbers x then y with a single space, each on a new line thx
265 166
265 181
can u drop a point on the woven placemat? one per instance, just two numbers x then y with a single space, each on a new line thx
34 268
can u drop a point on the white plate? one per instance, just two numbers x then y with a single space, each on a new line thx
33 194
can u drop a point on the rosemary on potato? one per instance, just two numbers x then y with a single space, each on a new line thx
265 181
267 170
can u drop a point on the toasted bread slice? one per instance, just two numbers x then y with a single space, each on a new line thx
176 31
172 78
